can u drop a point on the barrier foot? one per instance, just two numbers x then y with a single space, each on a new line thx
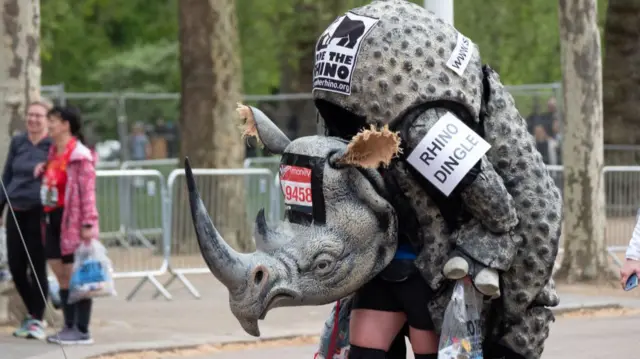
194 292
150 278
165 285
161 289
123 241
135 289
140 237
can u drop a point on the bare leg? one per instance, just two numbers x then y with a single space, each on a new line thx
62 271
374 329
423 341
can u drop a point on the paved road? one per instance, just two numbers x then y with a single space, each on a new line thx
145 323
584 338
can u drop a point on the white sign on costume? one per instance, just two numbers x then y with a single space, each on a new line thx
447 152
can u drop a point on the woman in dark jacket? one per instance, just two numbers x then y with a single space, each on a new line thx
26 151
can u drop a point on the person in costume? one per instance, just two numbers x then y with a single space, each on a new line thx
394 63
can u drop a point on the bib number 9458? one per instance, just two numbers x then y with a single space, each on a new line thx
293 193
296 185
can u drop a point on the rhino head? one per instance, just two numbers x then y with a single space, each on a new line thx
339 229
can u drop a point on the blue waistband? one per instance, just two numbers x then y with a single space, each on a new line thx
405 251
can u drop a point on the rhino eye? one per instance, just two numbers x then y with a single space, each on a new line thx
323 264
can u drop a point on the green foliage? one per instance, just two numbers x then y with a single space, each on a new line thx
131 45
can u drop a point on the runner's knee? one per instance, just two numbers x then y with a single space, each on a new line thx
356 352
423 341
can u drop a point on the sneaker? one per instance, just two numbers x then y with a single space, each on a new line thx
70 336
35 330
23 329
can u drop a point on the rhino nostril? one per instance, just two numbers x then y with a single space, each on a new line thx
259 275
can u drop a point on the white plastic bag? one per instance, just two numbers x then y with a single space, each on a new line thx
5 275
4 258
54 292
461 336
92 273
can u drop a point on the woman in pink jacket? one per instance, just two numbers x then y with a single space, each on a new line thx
71 216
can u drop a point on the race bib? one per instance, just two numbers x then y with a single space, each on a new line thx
296 187
447 153
49 196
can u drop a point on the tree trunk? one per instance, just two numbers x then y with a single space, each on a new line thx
19 85
211 87
20 64
584 256
621 75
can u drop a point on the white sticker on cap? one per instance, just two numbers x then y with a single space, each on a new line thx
337 52
461 55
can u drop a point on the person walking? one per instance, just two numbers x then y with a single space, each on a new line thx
71 216
26 151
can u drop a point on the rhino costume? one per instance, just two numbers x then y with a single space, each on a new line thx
409 70
395 72
352 236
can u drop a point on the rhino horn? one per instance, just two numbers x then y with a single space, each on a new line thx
229 266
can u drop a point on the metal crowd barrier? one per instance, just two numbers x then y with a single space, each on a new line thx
129 212
622 201
218 188
135 251
622 196
157 235
272 163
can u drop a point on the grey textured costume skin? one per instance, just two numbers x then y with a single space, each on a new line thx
488 202
299 265
402 64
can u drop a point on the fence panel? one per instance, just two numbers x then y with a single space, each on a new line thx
137 248
533 98
622 155
622 188
218 188
129 211
107 165
272 164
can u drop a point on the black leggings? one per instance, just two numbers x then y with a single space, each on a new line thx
78 314
26 278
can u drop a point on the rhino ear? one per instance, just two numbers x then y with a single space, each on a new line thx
258 125
370 149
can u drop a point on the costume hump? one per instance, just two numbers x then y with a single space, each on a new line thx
495 205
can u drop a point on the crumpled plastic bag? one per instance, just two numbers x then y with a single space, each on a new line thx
4 257
54 293
336 332
92 273
462 333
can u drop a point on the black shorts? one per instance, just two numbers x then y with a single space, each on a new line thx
53 228
410 296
